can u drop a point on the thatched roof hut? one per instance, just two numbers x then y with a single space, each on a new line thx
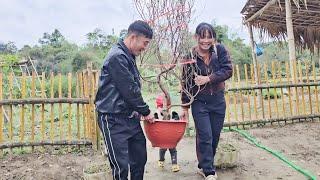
269 16
297 21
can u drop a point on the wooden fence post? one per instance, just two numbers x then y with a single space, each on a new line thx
91 106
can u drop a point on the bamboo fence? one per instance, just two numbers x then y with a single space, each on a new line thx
274 97
52 115
66 116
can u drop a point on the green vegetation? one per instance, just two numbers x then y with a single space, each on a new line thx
271 93
54 53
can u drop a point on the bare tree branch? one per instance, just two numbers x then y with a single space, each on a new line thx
169 19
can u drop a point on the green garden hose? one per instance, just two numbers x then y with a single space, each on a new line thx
276 154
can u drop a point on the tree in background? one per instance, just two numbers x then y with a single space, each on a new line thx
8 48
81 58
239 51
55 53
99 39
54 39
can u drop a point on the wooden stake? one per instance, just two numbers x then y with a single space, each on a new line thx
268 89
289 89
61 119
254 93
248 92
11 107
22 117
52 107
316 87
69 109
275 90
42 106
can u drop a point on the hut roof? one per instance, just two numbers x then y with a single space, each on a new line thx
269 17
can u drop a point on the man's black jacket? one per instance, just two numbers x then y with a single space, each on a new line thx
119 90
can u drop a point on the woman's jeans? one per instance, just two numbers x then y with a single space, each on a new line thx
208 112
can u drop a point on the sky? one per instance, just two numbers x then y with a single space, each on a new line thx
25 21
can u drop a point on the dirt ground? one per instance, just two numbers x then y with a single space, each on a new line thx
300 143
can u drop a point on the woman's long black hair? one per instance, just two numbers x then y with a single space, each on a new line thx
203 27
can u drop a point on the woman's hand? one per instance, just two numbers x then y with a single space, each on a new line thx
185 114
201 80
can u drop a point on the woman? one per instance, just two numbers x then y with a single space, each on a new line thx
211 68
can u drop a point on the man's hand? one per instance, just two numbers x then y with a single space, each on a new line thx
148 118
185 114
201 80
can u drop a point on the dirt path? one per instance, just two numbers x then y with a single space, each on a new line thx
299 143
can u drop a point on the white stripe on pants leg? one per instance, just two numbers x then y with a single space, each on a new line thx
106 144
114 155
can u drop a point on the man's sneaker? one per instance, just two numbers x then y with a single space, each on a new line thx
209 177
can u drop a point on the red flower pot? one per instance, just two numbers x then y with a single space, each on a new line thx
165 133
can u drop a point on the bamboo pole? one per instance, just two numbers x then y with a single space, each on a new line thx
241 95
260 11
289 89
52 107
248 94
91 105
261 94
33 94
292 49
268 89
253 53
78 105
22 116
254 93
228 107
296 95
316 87
42 106
94 91
308 88
234 96
238 75
10 107
291 42
273 120
69 106
302 90
298 85
44 143
85 90
61 124
281 90
82 105
44 101
273 71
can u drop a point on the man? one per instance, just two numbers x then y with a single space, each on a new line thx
119 104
